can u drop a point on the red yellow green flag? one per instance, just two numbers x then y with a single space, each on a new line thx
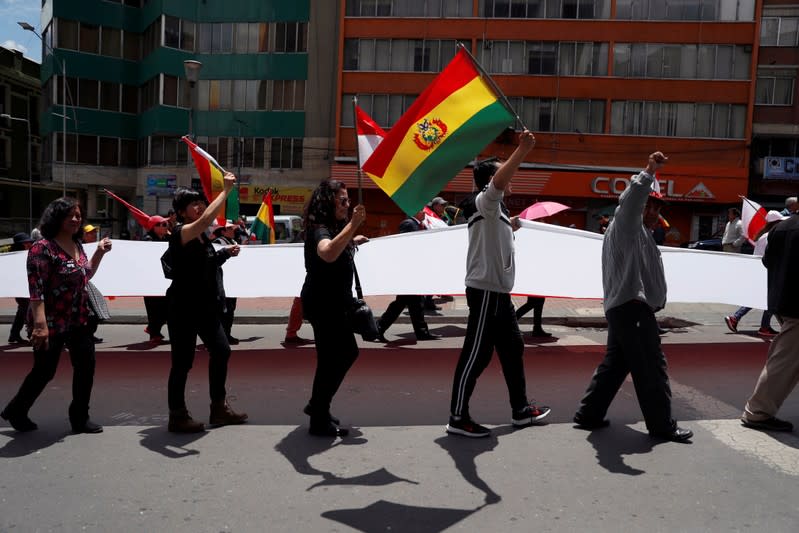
263 227
211 178
449 123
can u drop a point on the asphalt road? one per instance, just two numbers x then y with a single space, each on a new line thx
398 471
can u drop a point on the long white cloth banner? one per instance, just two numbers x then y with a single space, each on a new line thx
550 261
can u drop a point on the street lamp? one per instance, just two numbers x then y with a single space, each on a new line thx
192 70
27 27
30 170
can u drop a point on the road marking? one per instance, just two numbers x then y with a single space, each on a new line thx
779 451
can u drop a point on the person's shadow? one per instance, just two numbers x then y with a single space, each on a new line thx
22 444
615 442
464 452
170 445
298 447
389 516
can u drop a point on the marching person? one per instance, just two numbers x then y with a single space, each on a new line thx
225 236
330 240
413 302
58 275
781 371
196 300
634 290
22 241
156 306
490 274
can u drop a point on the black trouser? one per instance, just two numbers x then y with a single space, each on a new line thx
633 348
45 363
414 305
227 315
492 324
184 324
336 351
19 318
157 308
536 303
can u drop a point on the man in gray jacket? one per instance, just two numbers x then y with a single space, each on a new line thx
635 289
490 274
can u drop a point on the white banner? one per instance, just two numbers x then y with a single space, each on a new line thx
550 261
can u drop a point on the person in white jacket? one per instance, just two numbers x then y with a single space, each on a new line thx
734 236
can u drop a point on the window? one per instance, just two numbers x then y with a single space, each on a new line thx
88 93
89 38
132 46
170 96
109 151
723 121
187 29
67 33
130 99
727 10
775 87
289 36
111 42
128 150
171 31
567 9
779 31
286 153
542 58
688 61
109 96
87 149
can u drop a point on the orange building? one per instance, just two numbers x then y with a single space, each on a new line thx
602 84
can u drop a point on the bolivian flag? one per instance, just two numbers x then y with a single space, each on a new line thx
263 227
445 128
211 174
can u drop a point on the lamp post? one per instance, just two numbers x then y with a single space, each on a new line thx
192 70
27 27
30 170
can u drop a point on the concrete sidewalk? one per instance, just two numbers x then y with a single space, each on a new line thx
561 311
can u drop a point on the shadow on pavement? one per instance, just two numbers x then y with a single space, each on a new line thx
170 445
464 452
615 442
22 444
388 516
298 447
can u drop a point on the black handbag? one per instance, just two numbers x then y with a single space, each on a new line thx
362 318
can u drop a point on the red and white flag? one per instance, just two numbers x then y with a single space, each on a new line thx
432 220
369 135
753 218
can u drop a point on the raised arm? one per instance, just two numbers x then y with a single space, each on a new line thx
194 229
330 249
505 172
103 247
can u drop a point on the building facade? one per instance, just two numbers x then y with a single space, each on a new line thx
602 83
267 67
775 129
22 195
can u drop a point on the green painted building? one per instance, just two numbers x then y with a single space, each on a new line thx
263 104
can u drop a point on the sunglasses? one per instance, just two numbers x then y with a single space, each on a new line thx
162 224
344 201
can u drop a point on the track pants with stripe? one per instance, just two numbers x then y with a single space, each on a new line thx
492 324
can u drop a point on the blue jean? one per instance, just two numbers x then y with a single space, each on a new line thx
765 320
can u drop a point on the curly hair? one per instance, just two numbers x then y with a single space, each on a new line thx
54 216
183 197
321 208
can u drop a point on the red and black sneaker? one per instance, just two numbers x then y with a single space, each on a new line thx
467 427
531 414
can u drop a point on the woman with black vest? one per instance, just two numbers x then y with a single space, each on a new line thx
327 299
196 301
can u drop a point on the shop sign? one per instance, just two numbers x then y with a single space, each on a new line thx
612 187
290 199
781 168
161 184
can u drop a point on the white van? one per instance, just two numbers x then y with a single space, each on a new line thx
287 227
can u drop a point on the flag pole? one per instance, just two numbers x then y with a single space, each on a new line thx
357 148
494 86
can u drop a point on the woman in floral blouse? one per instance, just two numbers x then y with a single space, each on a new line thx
58 273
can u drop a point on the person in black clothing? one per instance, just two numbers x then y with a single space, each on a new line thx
195 302
536 303
22 241
414 303
156 306
327 299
